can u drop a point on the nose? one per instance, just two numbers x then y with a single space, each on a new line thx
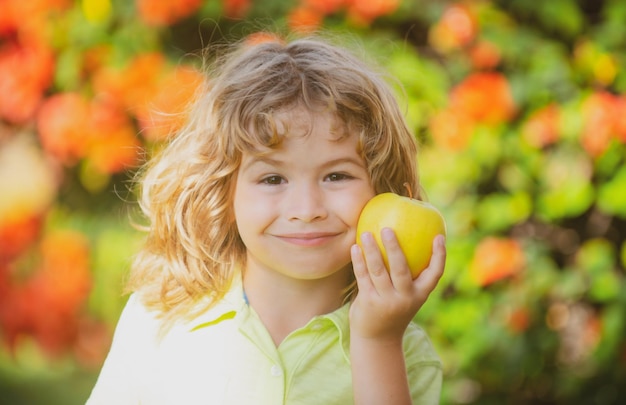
306 202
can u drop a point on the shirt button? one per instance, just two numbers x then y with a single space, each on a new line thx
276 371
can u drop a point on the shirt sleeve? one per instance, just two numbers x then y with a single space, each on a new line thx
424 367
120 377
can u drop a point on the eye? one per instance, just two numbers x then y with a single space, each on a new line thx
338 177
272 180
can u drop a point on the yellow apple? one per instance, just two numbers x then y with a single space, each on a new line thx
416 224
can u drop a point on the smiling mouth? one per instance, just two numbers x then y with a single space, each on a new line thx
308 239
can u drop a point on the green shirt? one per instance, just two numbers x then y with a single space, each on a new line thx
226 356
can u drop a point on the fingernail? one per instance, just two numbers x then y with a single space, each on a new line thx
387 233
355 249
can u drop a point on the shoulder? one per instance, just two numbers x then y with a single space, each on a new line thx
418 347
424 367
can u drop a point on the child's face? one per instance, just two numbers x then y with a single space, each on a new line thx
297 206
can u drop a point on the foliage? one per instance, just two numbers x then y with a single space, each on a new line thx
520 108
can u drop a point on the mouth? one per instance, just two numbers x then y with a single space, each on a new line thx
308 239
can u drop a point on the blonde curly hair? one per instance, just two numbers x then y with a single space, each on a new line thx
192 248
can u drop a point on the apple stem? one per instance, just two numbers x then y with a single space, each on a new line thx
408 189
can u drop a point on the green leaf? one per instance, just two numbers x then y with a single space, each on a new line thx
570 199
605 286
596 256
68 69
500 211
612 195
562 15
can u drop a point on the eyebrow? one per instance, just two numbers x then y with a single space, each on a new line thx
275 162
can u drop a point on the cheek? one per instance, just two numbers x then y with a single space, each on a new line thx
354 205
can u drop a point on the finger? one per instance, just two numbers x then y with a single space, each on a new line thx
359 267
398 267
375 264
426 282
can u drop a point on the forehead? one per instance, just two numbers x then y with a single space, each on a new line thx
302 122
274 129
306 136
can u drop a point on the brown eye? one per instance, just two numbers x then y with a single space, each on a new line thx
338 177
272 180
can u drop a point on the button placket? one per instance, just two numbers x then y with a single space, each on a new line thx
276 371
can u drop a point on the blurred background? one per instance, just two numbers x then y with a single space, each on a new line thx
520 108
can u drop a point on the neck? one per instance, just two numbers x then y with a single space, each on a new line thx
285 304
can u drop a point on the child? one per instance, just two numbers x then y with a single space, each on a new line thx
246 289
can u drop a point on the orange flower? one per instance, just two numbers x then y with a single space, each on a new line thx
261 37
63 123
366 11
456 28
166 12
65 270
25 73
619 125
604 119
485 97
17 235
114 146
135 84
325 7
12 18
46 304
304 19
542 126
495 259
235 8
451 129
166 112
484 55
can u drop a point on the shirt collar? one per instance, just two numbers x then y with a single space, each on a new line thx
234 302
226 308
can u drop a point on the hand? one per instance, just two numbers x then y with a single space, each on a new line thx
387 301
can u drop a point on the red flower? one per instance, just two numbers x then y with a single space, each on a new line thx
17 235
235 8
134 85
542 126
485 97
365 11
456 28
47 303
604 119
484 55
28 17
65 273
25 73
166 12
304 19
113 147
495 259
451 129
63 125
